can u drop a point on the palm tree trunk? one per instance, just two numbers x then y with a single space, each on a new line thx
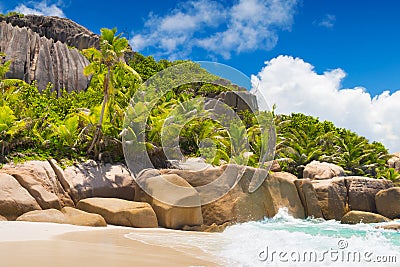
96 136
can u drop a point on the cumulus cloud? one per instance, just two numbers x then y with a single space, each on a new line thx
328 21
40 8
294 86
219 29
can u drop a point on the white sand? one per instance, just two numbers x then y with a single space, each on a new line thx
59 245
29 231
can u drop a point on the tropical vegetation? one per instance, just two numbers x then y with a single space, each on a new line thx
88 124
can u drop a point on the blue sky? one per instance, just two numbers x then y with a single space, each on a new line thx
360 37
334 59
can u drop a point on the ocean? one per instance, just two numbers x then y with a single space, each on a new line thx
286 241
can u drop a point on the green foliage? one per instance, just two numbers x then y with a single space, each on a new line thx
40 125
303 139
11 14
109 73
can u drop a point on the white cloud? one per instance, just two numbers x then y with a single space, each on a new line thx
40 8
294 86
328 21
220 29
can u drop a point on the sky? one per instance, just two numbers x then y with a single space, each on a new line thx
338 60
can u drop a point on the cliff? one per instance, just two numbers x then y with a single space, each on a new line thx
42 49
36 57
59 29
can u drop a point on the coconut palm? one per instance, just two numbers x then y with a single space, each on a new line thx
103 62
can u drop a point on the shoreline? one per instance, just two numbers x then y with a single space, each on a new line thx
46 244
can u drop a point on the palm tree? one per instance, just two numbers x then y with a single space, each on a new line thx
102 64
354 153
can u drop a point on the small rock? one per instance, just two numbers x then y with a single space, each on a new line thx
67 215
332 197
121 212
394 226
14 199
322 170
213 228
355 216
388 202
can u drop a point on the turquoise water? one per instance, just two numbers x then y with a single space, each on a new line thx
285 241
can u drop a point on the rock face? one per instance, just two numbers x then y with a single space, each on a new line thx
362 191
39 178
97 180
239 101
14 199
121 212
173 199
388 202
332 197
282 193
322 170
59 29
355 216
44 60
394 161
36 185
309 198
239 205
67 215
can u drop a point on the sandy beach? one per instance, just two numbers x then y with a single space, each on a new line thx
44 244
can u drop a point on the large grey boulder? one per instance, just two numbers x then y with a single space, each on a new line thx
37 58
14 199
355 216
394 161
121 212
388 202
309 198
239 100
239 204
91 179
173 199
40 180
67 215
332 197
362 191
59 29
322 170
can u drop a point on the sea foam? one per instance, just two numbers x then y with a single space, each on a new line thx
286 241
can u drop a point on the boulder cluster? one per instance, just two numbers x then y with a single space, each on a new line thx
94 194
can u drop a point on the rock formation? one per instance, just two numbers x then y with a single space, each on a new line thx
355 216
36 58
309 198
183 205
67 215
42 191
121 212
332 197
322 170
388 202
361 192
59 29
14 199
394 161
91 179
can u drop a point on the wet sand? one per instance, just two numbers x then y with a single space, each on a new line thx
37 244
